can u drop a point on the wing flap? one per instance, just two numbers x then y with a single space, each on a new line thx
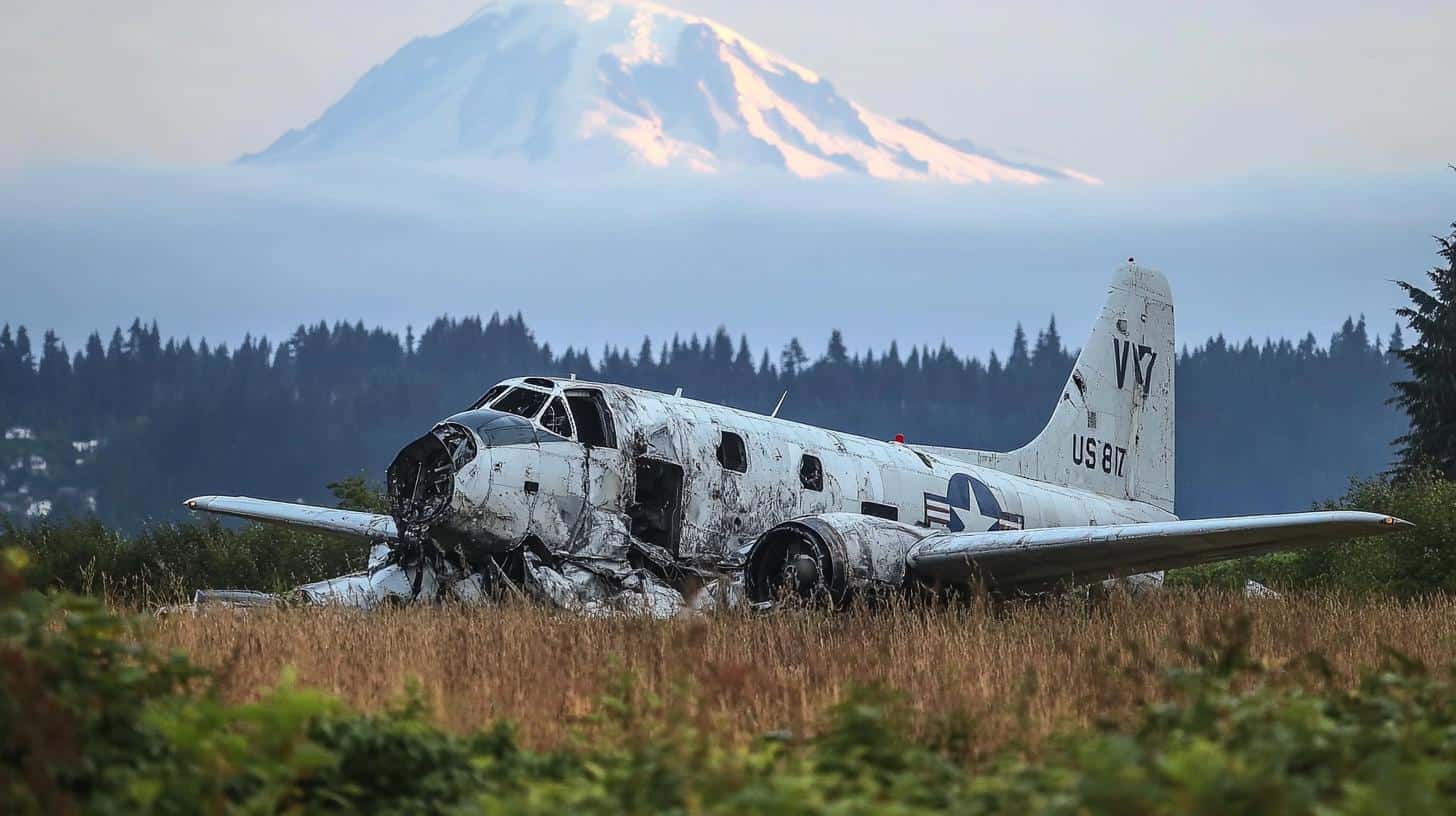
374 526
1045 557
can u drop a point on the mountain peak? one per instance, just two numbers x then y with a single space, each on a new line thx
601 84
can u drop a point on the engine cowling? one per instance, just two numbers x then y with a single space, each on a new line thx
829 558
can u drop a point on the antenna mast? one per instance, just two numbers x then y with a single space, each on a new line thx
780 405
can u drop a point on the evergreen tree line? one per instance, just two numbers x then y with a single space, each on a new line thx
1261 427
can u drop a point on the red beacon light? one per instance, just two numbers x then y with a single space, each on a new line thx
899 439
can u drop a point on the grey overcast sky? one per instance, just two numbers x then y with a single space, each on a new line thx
1136 91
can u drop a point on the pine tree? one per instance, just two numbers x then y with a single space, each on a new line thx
1048 350
12 376
644 356
53 377
722 349
836 353
793 359
1429 397
1020 358
22 349
743 361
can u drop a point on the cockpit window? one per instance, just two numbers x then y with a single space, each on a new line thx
555 420
593 419
495 391
522 402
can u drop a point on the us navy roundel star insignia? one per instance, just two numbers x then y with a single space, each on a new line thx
968 504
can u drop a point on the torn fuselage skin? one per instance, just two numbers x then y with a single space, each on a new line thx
601 496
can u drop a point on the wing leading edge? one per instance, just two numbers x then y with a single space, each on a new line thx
1046 557
329 519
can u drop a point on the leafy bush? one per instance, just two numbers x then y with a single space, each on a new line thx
167 562
93 720
76 689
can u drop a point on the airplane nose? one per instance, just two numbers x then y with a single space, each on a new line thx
421 480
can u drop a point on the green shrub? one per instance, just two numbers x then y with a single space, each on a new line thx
167 562
76 686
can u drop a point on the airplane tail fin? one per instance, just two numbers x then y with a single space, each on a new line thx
1112 430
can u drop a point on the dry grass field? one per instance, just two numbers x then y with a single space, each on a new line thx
1012 675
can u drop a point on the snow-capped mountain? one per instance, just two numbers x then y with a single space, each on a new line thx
599 84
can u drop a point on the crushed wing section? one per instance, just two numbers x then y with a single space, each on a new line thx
1039 559
329 519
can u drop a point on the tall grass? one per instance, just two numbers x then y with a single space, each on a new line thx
1000 677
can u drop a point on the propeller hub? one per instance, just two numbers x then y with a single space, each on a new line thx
804 570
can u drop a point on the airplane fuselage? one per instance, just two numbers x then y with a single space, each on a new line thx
556 459
608 499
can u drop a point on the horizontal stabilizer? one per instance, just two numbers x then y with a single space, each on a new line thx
1043 558
329 519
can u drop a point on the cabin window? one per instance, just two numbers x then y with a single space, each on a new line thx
732 453
811 473
494 392
521 402
555 419
884 511
593 420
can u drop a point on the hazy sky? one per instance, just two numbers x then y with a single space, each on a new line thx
1129 91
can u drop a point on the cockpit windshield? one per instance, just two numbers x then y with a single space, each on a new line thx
504 416
495 391
523 402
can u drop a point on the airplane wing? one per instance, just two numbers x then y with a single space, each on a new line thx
1046 557
329 519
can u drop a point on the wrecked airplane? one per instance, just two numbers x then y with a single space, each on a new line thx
608 499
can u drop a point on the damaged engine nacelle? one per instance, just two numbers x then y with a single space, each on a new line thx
829 558
421 486
421 479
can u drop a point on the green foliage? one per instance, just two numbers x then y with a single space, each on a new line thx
76 692
356 493
165 563
1417 561
92 720
1429 397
